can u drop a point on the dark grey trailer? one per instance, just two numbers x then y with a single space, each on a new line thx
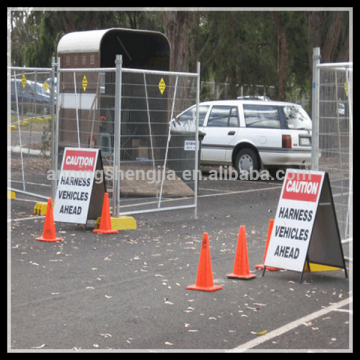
140 49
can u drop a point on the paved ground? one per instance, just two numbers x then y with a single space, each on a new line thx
127 292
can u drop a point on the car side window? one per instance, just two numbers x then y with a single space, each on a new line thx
262 116
223 116
191 114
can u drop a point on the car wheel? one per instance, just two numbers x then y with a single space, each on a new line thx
246 161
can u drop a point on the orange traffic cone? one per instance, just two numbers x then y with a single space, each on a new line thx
204 279
261 266
241 264
105 220
49 233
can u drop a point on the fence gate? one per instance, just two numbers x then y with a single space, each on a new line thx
332 149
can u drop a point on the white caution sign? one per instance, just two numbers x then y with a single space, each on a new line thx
75 190
301 228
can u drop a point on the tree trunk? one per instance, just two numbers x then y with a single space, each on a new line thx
176 30
282 56
325 32
329 51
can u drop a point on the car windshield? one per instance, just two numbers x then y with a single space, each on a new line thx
297 118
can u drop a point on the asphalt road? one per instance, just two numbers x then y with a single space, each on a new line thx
127 292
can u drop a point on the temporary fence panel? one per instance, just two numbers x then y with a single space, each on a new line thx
127 113
86 113
150 160
32 98
157 163
332 135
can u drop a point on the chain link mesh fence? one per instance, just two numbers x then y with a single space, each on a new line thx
334 137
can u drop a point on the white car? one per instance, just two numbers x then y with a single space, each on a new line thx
252 134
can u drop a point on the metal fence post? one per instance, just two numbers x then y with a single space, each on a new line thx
58 104
77 111
19 129
117 137
197 140
53 134
315 111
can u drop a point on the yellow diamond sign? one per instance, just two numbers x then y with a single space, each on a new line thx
162 86
45 86
84 83
23 81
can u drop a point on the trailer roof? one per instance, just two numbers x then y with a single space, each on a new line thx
90 40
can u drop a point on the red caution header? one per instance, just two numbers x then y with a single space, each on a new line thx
305 189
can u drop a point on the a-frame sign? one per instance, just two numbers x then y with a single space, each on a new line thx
78 196
305 227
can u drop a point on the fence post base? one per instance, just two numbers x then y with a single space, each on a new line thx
120 223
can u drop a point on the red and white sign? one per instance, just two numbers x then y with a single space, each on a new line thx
302 188
80 160
75 185
294 219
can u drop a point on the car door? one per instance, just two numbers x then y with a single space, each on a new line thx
263 128
263 125
221 129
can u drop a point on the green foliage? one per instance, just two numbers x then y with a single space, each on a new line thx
240 48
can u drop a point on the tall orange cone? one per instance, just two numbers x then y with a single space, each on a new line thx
204 279
241 264
261 266
105 220
49 233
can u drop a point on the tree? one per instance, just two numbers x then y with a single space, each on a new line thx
21 30
282 53
176 24
177 31
35 34
329 30
237 47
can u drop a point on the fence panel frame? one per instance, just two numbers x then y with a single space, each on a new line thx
119 71
197 98
347 67
13 72
55 72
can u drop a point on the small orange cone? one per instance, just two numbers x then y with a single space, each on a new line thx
105 220
241 264
49 233
204 279
261 266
